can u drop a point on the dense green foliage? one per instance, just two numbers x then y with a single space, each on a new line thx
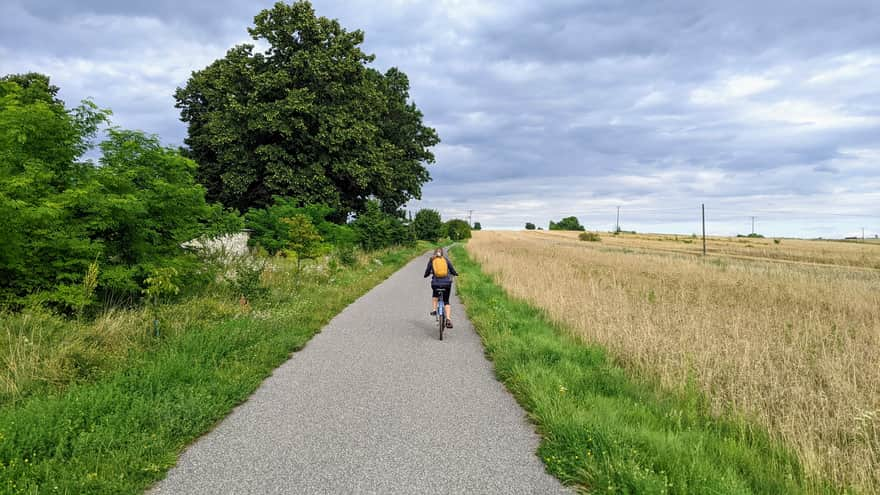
608 433
305 241
306 118
567 223
272 232
61 216
118 429
427 225
378 229
530 226
477 226
457 230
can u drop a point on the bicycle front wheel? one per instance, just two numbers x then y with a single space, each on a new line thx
442 320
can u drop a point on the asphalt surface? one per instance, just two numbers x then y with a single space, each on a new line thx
375 403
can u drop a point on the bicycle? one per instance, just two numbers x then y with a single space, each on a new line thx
441 311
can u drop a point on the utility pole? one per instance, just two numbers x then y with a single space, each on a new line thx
470 217
863 234
753 224
617 227
704 229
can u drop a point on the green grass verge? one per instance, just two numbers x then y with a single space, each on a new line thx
605 432
119 433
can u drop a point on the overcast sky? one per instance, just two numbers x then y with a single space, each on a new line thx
552 108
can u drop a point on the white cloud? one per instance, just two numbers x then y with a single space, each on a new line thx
732 89
806 113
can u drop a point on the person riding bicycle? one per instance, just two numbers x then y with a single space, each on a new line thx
440 280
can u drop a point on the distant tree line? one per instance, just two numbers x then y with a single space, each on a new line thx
567 223
428 226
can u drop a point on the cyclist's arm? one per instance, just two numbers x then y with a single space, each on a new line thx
451 268
428 269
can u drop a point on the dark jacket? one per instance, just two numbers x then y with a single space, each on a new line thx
447 280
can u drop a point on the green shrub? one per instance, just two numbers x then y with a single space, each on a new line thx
457 230
530 226
377 229
347 255
271 228
247 276
567 223
60 215
427 225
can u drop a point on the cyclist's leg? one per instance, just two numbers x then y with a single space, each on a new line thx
434 299
446 307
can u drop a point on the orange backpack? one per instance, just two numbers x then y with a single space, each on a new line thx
440 267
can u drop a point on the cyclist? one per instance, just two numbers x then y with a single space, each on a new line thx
444 282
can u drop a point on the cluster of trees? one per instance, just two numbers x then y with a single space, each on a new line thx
302 142
428 226
567 223
63 217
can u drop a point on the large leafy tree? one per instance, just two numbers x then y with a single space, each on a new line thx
306 119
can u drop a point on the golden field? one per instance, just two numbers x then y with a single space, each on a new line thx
785 333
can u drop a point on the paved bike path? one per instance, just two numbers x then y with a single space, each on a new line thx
375 403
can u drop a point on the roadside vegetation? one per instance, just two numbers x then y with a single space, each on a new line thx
131 320
606 429
789 346
106 407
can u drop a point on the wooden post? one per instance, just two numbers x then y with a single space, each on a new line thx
704 229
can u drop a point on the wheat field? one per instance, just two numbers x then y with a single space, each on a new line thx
788 338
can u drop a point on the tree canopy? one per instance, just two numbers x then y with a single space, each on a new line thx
306 119
457 229
427 225
567 223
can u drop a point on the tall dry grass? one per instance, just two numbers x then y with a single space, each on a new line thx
854 254
796 347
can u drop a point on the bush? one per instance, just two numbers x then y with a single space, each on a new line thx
304 240
347 256
477 226
271 228
427 225
567 223
377 229
457 230
589 236
60 215
530 226
247 277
